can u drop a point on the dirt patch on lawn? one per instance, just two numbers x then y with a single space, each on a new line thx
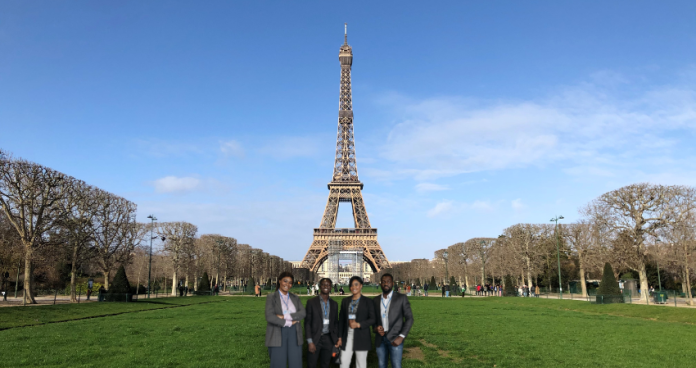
443 353
415 353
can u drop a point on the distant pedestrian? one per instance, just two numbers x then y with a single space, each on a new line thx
257 290
425 289
101 292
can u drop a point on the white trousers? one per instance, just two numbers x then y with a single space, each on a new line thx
347 355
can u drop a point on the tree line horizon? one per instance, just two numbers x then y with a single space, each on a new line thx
635 228
53 226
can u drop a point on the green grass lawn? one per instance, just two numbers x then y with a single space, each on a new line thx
229 332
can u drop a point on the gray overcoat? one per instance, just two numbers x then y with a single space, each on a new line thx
274 307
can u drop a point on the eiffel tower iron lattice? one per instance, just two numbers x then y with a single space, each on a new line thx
345 187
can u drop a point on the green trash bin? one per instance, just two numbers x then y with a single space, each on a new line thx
660 297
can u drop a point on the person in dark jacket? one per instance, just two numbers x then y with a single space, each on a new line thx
394 321
356 317
321 326
284 311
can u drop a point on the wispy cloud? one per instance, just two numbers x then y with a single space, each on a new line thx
440 208
430 187
586 126
231 148
448 207
173 184
517 204
483 206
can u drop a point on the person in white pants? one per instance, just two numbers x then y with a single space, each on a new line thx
355 319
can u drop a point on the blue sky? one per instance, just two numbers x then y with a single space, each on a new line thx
470 116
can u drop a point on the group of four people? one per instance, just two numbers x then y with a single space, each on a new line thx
388 315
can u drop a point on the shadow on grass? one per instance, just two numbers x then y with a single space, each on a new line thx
18 317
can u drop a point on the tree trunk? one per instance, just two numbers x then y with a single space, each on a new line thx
106 279
73 277
466 275
643 280
483 274
529 273
687 281
195 281
687 277
174 283
582 278
28 270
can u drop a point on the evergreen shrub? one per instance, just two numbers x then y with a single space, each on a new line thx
609 291
119 290
204 284
509 289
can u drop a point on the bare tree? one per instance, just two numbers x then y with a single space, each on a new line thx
115 232
77 225
478 251
30 196
459 259
179 237
585 240
634 212
11 250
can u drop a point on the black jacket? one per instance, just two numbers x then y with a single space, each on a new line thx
362 339
400 317
314 321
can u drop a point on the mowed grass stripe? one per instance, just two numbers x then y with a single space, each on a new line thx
14 317
455 332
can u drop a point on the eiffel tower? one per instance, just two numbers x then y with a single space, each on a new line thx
345 187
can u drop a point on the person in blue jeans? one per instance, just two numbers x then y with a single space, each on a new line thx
394 321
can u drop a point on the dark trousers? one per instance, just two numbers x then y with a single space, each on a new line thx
323 353
288 354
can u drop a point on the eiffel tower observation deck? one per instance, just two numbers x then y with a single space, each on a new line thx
330 243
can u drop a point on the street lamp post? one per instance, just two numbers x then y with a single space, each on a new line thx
445 256
149 267
483 263
659 281
558 256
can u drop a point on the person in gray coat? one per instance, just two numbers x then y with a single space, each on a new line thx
394 321
284 311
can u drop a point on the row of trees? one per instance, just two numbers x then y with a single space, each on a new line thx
54 227
184 257
635 228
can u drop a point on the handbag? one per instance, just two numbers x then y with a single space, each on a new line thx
336 354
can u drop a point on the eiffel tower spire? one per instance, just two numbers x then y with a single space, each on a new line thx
345 187
345 166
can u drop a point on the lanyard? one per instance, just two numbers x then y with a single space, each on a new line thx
354 306
285 300
386 307
325 308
